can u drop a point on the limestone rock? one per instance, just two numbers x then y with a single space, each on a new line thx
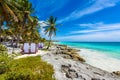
117 73
70 73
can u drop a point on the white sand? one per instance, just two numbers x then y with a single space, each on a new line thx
100 60
40 52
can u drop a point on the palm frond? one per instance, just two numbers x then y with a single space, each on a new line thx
9 11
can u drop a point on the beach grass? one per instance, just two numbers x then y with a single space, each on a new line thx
29 68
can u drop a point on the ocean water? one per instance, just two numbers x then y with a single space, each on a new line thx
112 49
103 55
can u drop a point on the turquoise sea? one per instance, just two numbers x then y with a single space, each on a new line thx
112 49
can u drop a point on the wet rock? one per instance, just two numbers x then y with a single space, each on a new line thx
65 68
117 73
97 73
66 56
87 67
69 49
73 55
56 58
77 57
71 74
95 79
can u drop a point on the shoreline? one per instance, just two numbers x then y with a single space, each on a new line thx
69 69
98 59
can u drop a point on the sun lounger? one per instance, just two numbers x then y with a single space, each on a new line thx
40 45
33 48
26 48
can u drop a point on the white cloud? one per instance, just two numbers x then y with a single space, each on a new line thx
99 36
91 24
97 27
42 23
96 5
42 28
98 32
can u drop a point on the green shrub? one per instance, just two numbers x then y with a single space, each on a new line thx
3 54
3 48
30 68
13 55
4 61
3 68
20 75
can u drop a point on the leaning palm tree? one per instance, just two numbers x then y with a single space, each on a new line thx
6 10
31 30
23 10
50 29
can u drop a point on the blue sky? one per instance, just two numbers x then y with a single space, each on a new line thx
82 20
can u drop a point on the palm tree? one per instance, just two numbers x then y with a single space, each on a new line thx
23 10
32 30
50 29
6 10
17 15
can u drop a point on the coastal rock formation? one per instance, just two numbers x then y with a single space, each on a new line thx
69 69
69 53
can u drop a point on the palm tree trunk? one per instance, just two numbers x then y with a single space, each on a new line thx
1 23
0 36
0 40
12 43
17 43
18 40
49 43
5 40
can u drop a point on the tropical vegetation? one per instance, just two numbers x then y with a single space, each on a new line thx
51 28
17 25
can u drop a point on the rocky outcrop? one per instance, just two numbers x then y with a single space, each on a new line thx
117 73
69 53
69 72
